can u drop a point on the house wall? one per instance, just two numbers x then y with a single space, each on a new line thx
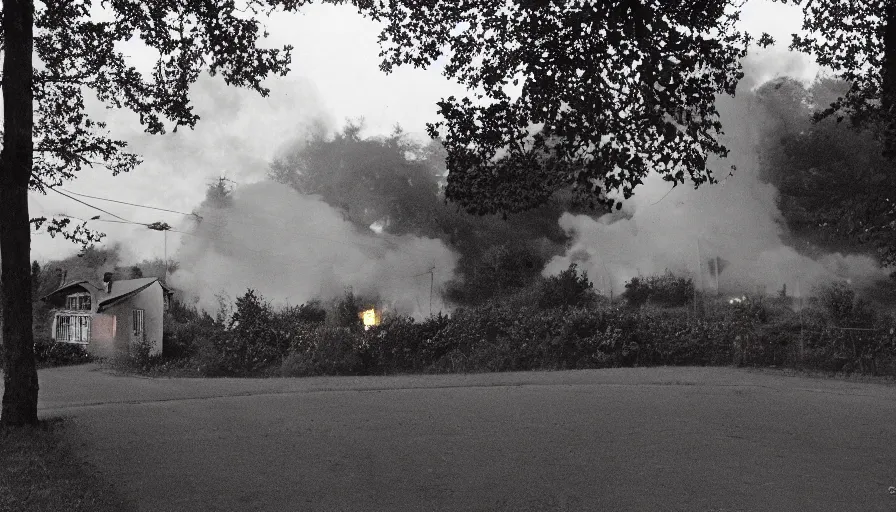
151 301
103 328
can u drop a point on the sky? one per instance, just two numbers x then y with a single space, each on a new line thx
335 76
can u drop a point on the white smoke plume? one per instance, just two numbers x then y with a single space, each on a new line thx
683 230
292 248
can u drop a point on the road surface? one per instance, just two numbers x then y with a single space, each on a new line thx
670 439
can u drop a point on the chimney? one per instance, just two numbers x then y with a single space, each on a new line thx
107 281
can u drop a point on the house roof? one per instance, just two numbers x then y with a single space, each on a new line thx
67 286
121 290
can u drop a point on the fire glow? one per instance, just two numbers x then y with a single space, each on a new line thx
370 318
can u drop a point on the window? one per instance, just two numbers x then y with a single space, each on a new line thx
78 302
138 322
72 328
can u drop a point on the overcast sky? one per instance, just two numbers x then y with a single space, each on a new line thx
335 76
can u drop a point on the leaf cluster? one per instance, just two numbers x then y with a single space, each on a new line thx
590 96
79 58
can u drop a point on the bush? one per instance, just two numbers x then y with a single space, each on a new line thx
324 350
566 289
842 305
558 323
250 343
399 344
667 290
141 358
207 360
346 310
180 336
499 270
48 353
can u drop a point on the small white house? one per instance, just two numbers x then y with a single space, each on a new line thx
110 319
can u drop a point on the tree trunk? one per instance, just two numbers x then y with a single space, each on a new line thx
20 374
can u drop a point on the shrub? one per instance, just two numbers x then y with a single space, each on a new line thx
398 344
141 358
207 360
310 312
346 311
842 305
250 343
566 289
499 270
324 350
181 334
667 290
556 324
48 353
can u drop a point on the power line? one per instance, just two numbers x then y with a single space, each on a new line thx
165 228
101 220
88 204
159 226
200 218
384 239
135 204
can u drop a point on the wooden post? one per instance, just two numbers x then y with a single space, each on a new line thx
800 305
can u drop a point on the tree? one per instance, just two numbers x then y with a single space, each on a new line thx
373 179
858 41
834 185
48 135
396 182
587 95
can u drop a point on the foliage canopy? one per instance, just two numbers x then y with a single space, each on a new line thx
590 96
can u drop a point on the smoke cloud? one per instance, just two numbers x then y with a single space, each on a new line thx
735 224
292 248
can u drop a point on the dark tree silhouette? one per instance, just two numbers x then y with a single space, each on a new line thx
54 53
587 95
858 41
835 188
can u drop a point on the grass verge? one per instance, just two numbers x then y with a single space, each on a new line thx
39 472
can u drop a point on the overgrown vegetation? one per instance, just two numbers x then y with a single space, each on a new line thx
667 290
557 323
49 353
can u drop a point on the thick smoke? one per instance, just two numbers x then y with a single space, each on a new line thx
293 248
735 225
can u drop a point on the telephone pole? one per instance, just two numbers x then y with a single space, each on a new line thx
163 227
432 276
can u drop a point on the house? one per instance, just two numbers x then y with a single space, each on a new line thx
109 320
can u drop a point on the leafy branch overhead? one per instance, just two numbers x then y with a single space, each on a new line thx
590 96
79 56
858 41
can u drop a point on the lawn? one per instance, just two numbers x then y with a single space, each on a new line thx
40 473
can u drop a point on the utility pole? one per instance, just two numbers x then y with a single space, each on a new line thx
699 276
432 276
163 227
718 274
800 305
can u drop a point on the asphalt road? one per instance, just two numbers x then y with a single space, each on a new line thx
670 439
